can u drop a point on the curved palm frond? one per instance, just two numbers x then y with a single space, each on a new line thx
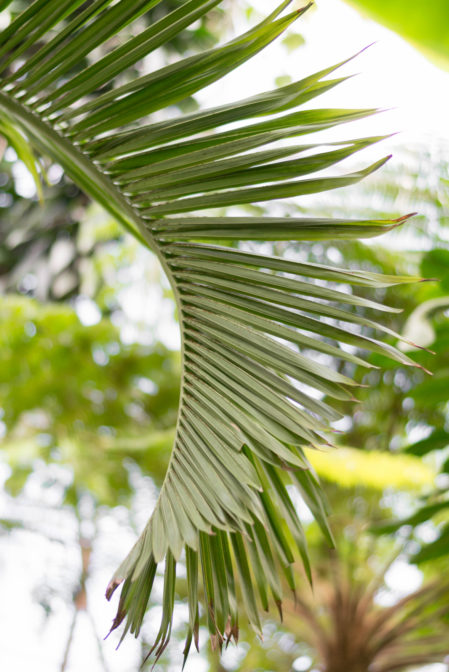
251 395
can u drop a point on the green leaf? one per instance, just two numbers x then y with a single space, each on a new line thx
251 390
23 150
260 194
424 25
421 516
437 440
436 549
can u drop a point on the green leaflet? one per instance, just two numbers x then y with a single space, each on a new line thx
220 585
249 321
313 497
168 600
192 155
241 274
291 301
296 123
273 417
139 46
260 539
249 597
37 21
247 380
255 431
77 21
187 529
299 320
270 327
165 91
192 582
267 228
274 354
260 194
264 375
159 535
198 166
232 461
214 253
231 177
191 497
258 572
97 32
290 515
208 582
173 533
274 525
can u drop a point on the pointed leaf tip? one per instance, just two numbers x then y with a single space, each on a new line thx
279 608
423 368
368 46
112 587
400 220
301 10
419 347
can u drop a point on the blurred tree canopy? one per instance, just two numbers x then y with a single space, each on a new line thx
77 396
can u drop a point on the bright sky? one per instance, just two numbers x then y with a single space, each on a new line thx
393 75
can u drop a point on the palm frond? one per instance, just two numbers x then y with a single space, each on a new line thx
347 629
251 393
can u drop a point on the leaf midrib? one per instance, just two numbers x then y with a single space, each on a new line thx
80 168
102 190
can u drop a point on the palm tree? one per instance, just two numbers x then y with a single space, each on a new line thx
250 397
349 631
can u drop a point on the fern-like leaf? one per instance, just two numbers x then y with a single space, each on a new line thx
251 394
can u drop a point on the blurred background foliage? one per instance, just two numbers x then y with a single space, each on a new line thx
78 397
88 402
424 25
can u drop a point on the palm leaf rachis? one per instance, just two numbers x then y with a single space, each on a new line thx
245 409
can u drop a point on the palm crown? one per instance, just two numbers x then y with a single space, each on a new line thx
249 322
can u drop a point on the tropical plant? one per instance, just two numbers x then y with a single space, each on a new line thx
251 393
43 247
429 324
350 630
